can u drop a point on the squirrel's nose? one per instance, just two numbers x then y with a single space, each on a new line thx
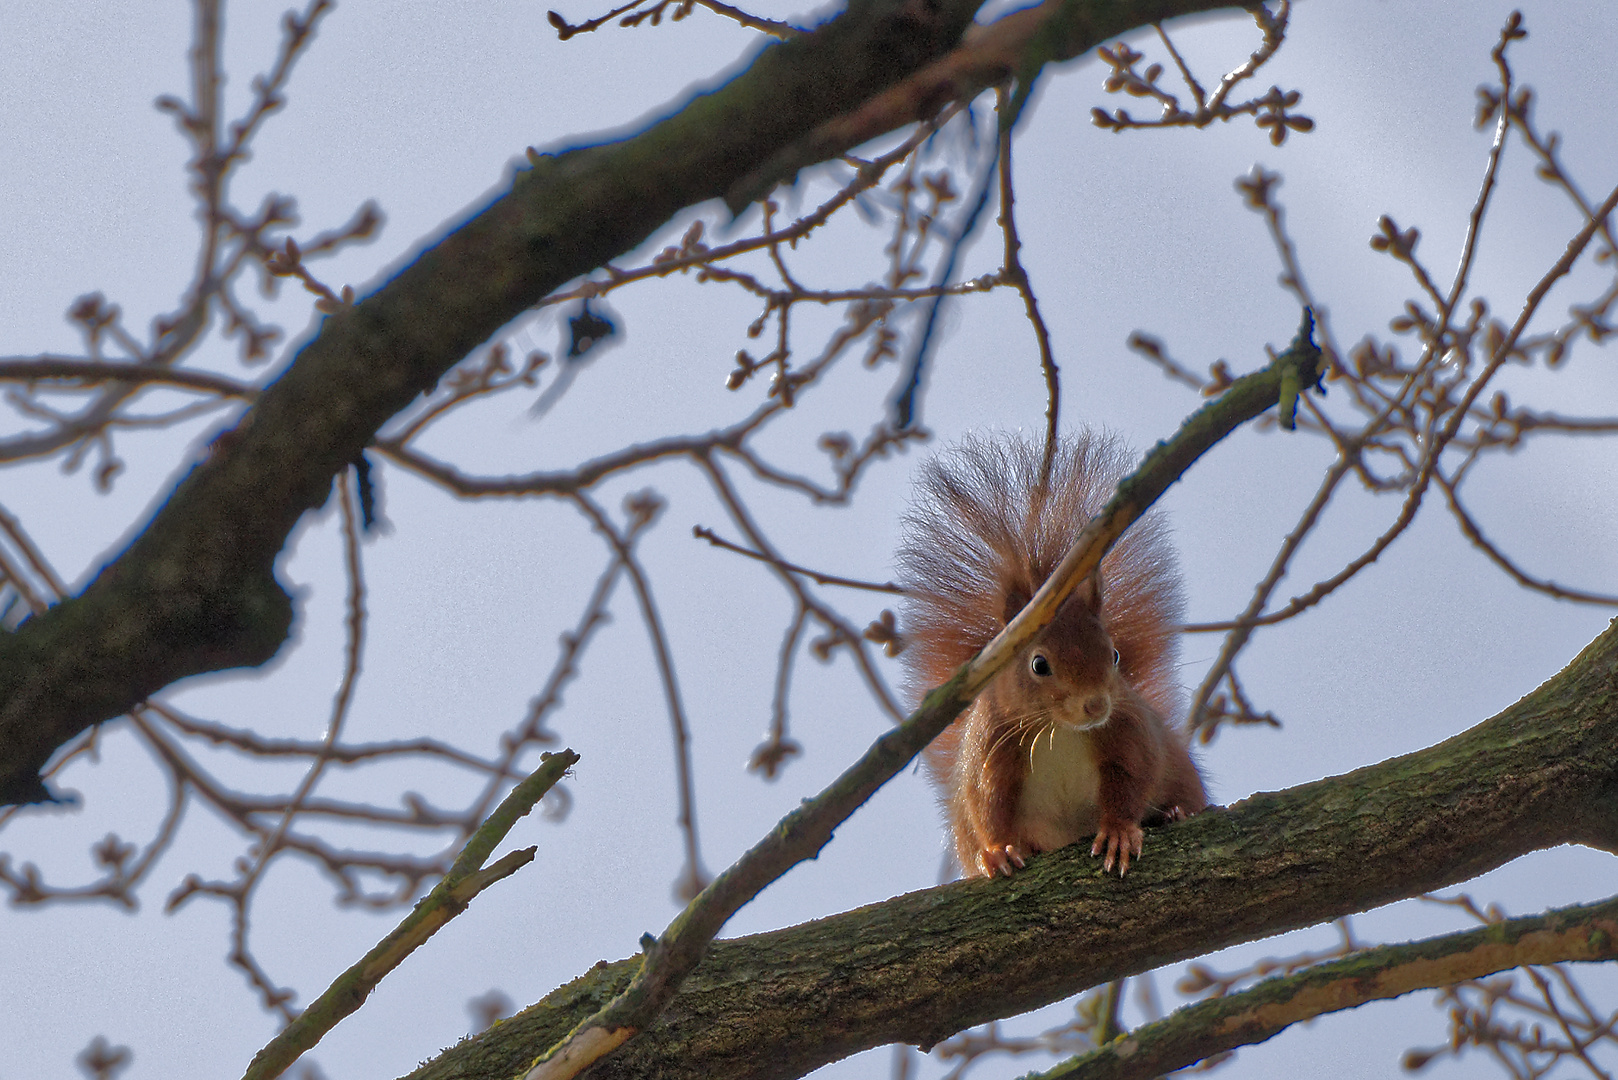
1097 707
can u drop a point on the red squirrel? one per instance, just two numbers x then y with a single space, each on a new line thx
1069 740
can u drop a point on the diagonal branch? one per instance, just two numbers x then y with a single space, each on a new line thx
1582 932
468 877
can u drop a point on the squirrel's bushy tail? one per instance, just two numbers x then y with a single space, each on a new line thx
982 530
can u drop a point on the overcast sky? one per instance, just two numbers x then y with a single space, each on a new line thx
424 107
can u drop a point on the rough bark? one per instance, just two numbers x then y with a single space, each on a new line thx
1584 932
922 966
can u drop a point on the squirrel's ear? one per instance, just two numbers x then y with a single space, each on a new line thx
1016 600
1087 593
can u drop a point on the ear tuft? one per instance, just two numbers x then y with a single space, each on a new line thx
1087 593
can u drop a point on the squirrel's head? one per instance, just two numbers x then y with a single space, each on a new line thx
1070 671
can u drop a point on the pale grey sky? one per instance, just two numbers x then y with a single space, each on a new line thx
423 106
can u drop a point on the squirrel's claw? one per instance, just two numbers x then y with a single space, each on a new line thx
1117 840
1001 860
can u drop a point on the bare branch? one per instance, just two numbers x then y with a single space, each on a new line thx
1198 1031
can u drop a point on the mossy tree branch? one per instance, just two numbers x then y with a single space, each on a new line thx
1584 932
923 966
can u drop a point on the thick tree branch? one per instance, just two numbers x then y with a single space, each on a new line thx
920 967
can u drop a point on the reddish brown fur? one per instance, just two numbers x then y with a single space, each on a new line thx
979 541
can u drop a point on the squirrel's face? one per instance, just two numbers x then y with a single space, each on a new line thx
1069 674
1071 670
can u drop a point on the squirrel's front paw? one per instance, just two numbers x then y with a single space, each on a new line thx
1001 860
1118 840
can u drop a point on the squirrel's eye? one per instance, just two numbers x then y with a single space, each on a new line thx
1039 665
1116 659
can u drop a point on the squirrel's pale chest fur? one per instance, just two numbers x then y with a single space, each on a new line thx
1061 789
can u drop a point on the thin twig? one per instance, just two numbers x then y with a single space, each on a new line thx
1018 276
841 632
1474 533
94 371
867 175
695 877
465 879
819 578
775 749
35 559
345 689
250 742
